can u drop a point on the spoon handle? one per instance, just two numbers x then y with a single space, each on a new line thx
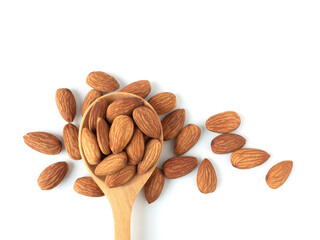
122 219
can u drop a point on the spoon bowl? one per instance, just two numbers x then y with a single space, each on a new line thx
121 198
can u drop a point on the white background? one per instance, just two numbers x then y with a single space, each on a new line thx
259 58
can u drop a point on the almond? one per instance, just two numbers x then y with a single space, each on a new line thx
120 134
173 123
227 143
154 186
103 136
163 102
102 82
90 147
151 156
124 106
91 96
66 104
70 139
179 166
121 177
206 177
140 88
87 186
278 174
147 121
246 158
52 175
98 110
135 148
43 142
111 164
224 122
186 139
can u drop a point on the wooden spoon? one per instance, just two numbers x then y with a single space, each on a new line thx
120 198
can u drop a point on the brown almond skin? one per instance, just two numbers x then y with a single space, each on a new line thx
43 142
52 175
124 106
163 102
147 121
227 143
86 186
102 81
186 139
224 122
70 139
121 177
173 123
103 136
151 156
140 88
98 110
206 177
246 158
90 147
135 148
278 174
66 104
179 166
111 164
154 185
91 96
120 134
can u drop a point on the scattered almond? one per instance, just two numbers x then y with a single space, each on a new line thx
154 186
140 88
147 121
124 106
173 123
90 147
206 177
102 82
98 110
224 122
103 136
151 156
186 139
227 143
135 148
278 174
111 164
66 104
163 102
179 166
52 175
87 186
246 158
121 132
91 96
121 177
70 139
43 142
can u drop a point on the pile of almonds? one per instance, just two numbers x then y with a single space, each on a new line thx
123 138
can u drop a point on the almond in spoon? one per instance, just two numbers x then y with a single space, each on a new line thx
151 156
135 148
111 164
121 177
120 134
103 136
90 147
91 96
98 110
